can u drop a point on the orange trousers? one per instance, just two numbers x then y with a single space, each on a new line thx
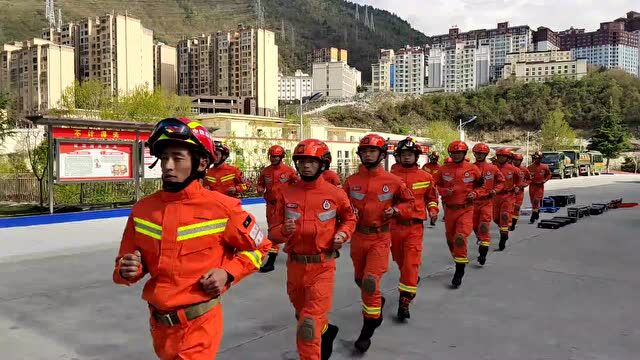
197 339
310 289
458 226
271 211
519 199
370 257
482 217
502 210
406 249
536 194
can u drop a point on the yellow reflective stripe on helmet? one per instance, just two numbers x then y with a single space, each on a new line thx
165 137
407 288
147 228
371 310
202 229
255 257
485 243
421 185
432 204
193 124
460 260
210 179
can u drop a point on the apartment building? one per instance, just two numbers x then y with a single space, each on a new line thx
409 71
195 66
545 39
114 49
36 73
540 66
383 73
165 68
294 87
462 67
502 40
336 80
323 55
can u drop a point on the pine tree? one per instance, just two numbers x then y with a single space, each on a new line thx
611 137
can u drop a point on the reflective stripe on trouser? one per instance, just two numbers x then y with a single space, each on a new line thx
406 250
502 210
310 289
459 225
536 194
519 199
370 257
271 211
482 217
196 339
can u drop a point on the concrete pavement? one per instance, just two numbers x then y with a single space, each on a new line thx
554 294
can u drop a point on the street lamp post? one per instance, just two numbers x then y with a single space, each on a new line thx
301 113
529 134
462 124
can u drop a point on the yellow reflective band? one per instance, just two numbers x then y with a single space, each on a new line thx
485 243
201 229
515 217
371 310
255 257
147 228
210 179
421 185
227 177
460 260
506 228
433 204
193 124
138 220
324 329
165 137
410 289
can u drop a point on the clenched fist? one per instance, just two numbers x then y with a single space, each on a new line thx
130 265
214 282
231 191
389 213
289 226
338 240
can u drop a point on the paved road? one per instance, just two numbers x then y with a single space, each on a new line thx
570 293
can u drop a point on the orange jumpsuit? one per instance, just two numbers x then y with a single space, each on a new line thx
455 181
181 236
525 179
271 179
504 200
224 177
540 174
395 167
332 178
371 192
483 206
319 212
407 235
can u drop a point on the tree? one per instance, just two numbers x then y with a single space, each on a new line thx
5 125
37 156
442 133
556 132
610 138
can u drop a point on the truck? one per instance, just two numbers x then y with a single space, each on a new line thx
559 164
597 162
581 162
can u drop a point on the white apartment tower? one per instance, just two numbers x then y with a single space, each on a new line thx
294 87
459 68
409 71
165 68
382 73
335 80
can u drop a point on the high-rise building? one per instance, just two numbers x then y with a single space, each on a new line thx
329 54
336 80
196 66
545 39
409 71
383 73
294 87
36 73
502 40
114 49
461 67
69 35
540 66
165 67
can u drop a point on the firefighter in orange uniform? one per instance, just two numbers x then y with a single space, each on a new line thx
331 176
525 179
483 205
540 174
377 196
432 167
396 165
271 178
313 220
223 177
407 234
192 242
459 183
504 200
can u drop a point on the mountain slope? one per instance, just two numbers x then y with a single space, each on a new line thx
306 23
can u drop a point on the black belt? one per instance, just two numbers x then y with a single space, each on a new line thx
409 222
372 229
312 259
191 312
458 206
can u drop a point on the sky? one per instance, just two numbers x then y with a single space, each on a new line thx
434 17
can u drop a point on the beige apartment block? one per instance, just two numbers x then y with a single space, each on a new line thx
540 66
335 80
165 68
382 72
36 73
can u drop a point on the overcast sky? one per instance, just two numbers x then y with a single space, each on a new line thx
434 17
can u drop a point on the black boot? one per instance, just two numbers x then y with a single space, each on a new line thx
326 344
268 266
457 276
514 221
535 215
432 222
504 236
369 326
403 305
482 250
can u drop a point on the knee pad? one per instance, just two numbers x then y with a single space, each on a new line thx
307 329
459 240
504 216
369 284
484 228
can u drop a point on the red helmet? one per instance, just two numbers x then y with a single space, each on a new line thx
434 154
481 148
504 151
276 150
223 148
313 148
373 140
517 156
537 155
181 130
408 144
457 146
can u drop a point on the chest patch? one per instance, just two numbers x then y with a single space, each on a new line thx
267 179
292 206
284 178
356 188
447 177
385 189
509 175
326 205
488 175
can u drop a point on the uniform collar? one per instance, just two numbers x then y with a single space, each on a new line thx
376 170
405 170
193 190
308 185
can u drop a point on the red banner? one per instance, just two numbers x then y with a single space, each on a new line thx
98 134
88 161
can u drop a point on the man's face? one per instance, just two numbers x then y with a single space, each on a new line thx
408 158
175 162
457 156
275 160
480 157
369 154
308 166
517 163
219 157
502 159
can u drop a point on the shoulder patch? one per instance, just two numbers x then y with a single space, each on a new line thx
247 222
